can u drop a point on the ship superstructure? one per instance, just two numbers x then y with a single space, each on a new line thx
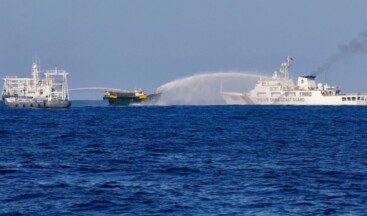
281 90
49 90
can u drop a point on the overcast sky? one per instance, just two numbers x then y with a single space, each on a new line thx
144 44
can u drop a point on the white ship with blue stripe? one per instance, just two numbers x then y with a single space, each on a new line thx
51 91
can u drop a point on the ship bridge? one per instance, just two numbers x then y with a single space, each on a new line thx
306 83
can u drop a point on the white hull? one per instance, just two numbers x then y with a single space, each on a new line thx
235 98
35 103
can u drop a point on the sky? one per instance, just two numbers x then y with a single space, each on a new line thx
145 44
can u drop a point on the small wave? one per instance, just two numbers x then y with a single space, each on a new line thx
12 213
54 184
110 185
96 169
93 205
4 132
180 171
26 196
8 171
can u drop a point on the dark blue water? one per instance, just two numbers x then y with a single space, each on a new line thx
93 159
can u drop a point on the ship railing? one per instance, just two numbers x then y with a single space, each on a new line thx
17 79
56 96
57 83
359 93
55 72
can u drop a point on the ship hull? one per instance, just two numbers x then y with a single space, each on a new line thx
314 98
122 101
32 103
126 101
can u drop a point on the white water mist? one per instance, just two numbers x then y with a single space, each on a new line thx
206 88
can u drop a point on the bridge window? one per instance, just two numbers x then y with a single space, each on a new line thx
275 94
305 94
353 98
343 98
290 94
274 88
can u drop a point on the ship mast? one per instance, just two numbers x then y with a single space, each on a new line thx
284 70
35 74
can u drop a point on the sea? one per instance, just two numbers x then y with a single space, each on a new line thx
95 159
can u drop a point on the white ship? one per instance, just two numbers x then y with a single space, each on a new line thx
281 90
49 91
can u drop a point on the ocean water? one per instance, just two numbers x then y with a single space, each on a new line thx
93 159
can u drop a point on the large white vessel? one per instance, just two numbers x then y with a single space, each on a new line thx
51 91
281 90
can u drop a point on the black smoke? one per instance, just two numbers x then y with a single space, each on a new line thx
354 47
